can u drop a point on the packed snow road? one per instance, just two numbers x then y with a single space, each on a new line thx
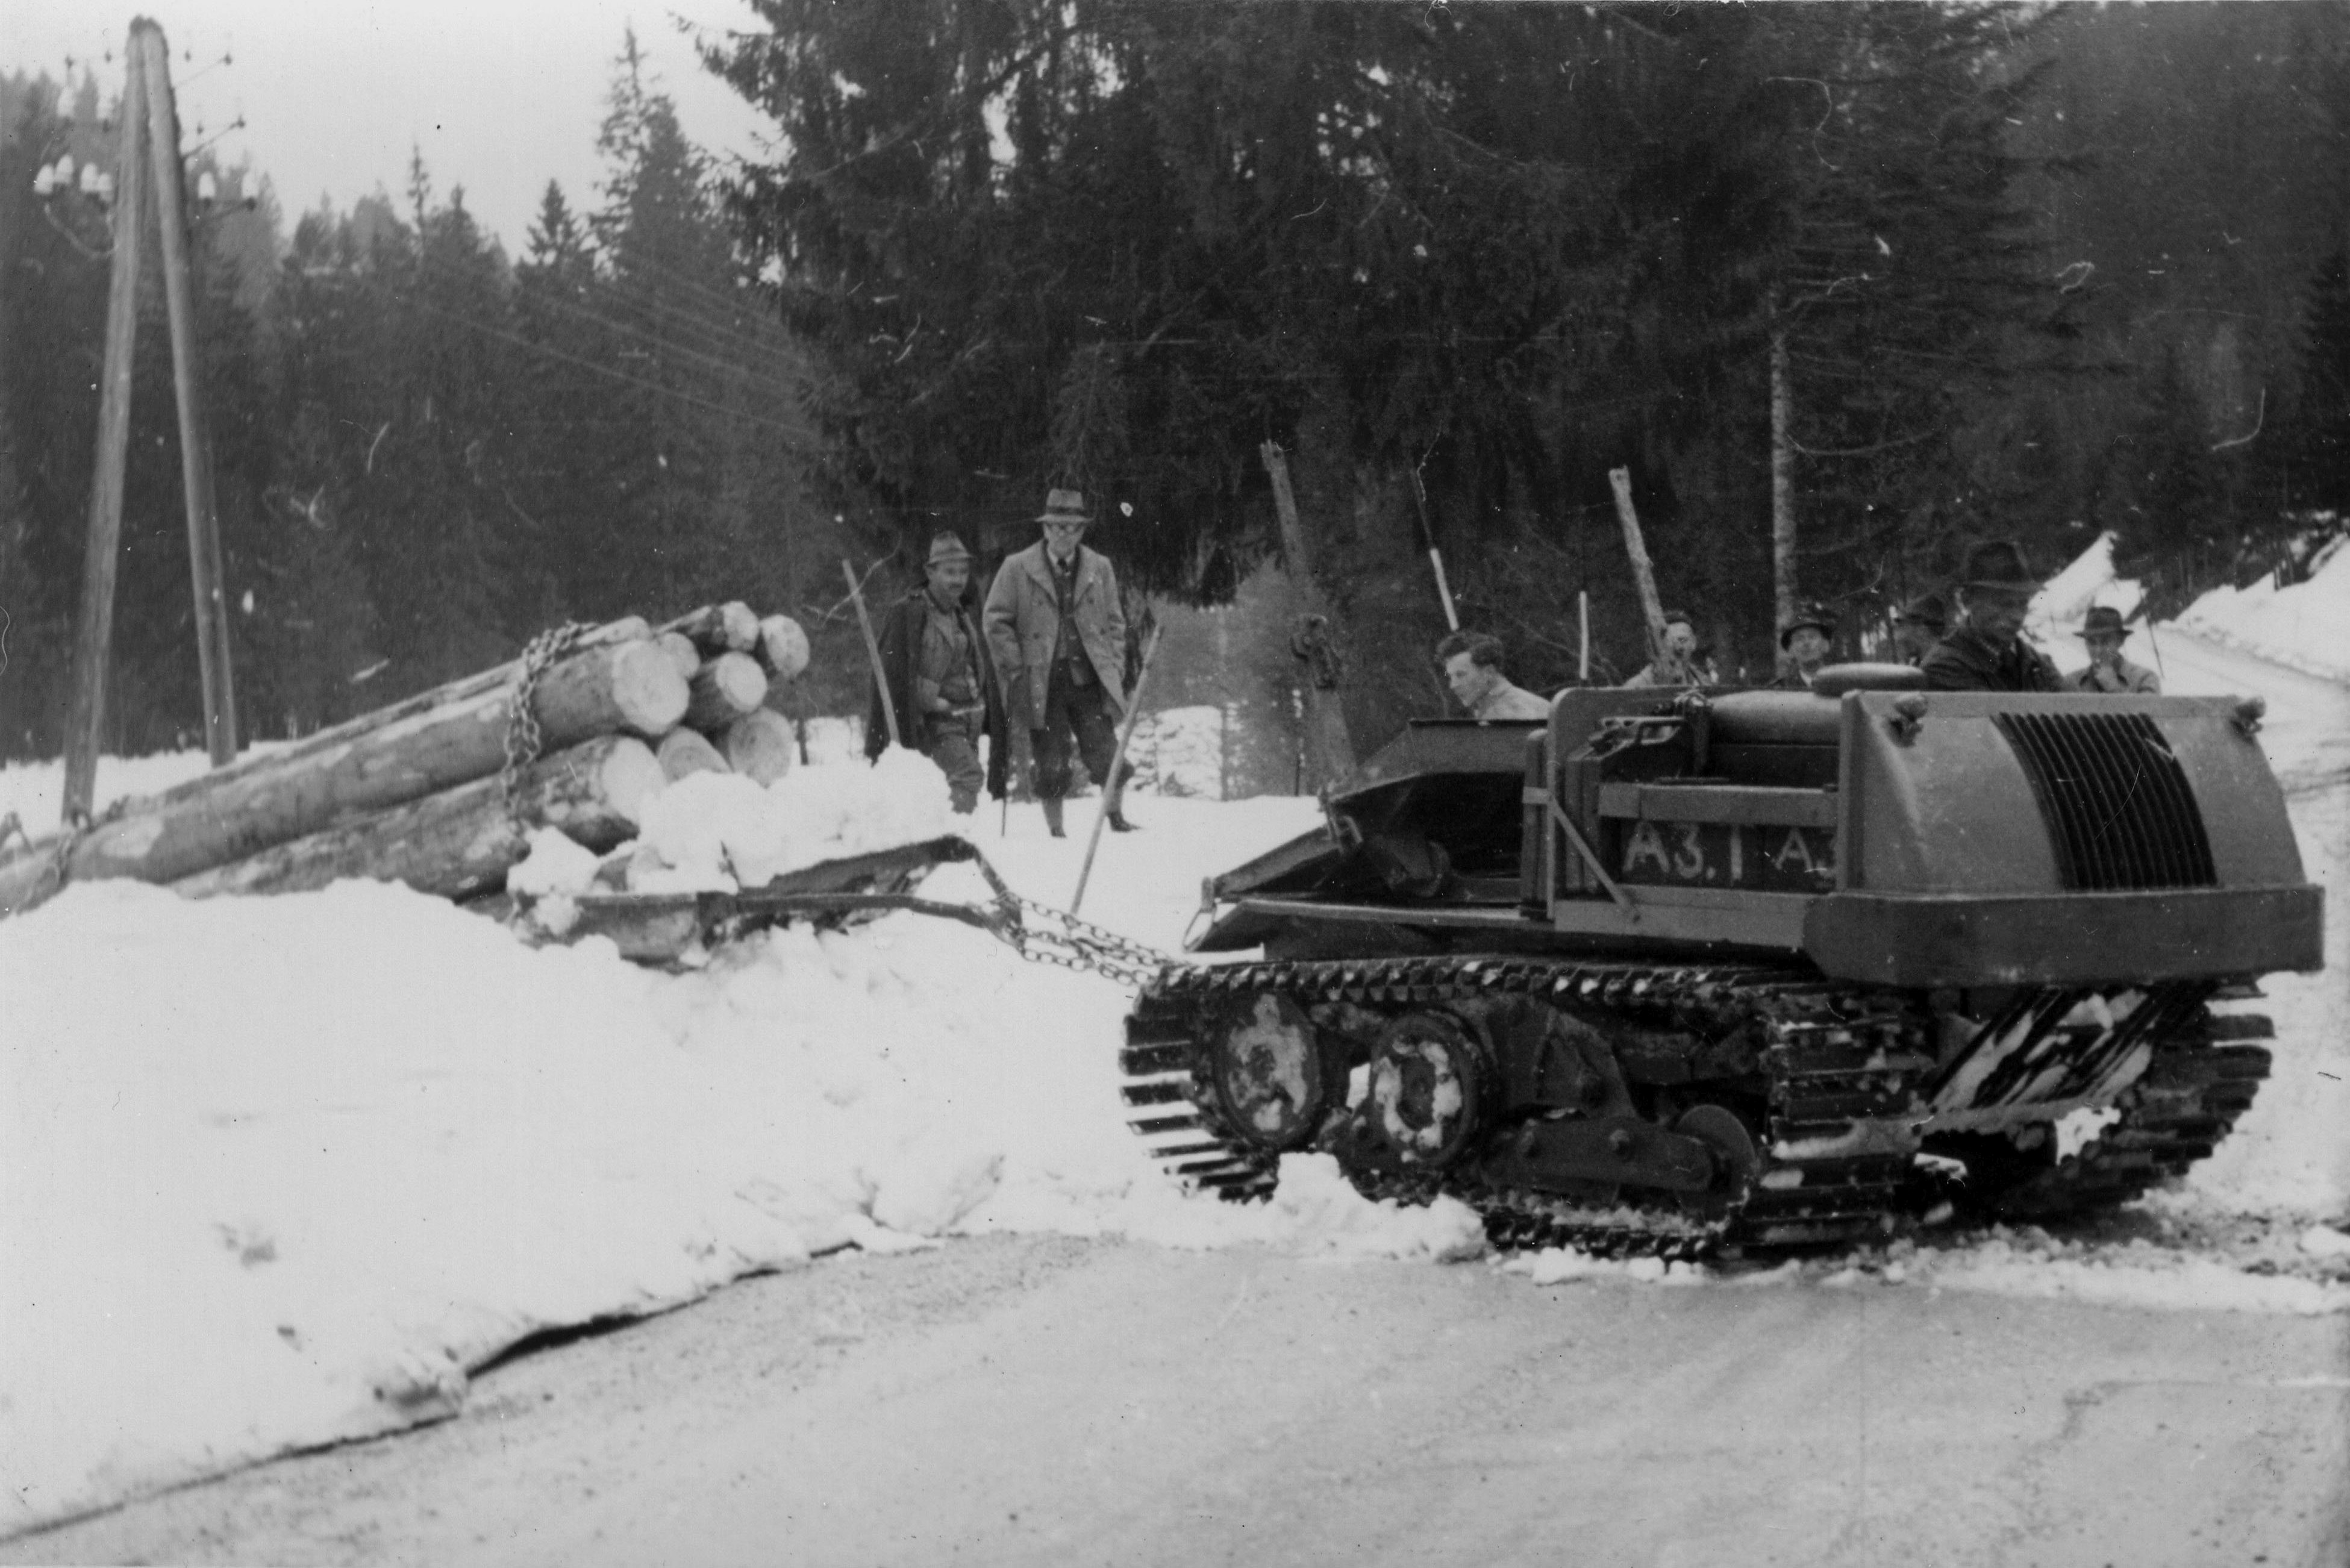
1061 1400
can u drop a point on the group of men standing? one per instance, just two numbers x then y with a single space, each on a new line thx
1047 651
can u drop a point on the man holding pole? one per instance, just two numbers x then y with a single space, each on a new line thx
1058 634
941 683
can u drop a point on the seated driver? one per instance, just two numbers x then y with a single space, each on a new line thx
1473 668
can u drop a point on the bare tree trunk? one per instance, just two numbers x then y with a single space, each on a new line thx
1329 746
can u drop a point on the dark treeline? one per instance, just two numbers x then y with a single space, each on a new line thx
426 450
1509 248
2038 273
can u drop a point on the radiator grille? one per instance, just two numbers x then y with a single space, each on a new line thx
2114 799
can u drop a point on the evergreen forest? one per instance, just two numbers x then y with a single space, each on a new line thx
2013 271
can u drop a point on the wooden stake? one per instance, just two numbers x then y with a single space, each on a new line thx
94 633
1783 486
1125 733
187 376
1583 635
1643 575
873 652
1327 740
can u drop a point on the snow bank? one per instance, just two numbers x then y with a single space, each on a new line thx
2305 626
279 1170
1180 751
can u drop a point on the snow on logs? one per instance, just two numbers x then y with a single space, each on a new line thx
416 792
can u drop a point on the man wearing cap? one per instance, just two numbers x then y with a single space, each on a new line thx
1805 640
1988 651
1680 664
1058 633
2109 674
942 685
1473 668
1917 626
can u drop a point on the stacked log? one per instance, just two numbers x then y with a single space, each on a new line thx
424 792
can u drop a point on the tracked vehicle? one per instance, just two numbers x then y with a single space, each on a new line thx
1673 974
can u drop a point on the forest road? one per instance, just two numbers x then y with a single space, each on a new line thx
1043 1400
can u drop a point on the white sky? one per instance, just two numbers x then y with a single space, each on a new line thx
499 95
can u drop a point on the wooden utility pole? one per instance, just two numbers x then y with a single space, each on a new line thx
150 143
1644 576
85 717
1783 485
152 61
1328 742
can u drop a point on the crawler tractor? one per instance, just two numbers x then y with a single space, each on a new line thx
1680 974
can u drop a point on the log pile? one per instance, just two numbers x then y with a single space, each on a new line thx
441 792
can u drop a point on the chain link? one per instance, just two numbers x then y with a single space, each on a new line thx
1058 938
524 740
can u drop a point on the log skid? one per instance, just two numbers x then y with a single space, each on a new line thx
684 751
723 690
460 841
431 743
761 745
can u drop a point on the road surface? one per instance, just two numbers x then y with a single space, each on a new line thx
1056 1401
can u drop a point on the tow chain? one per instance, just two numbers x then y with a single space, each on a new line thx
1057 937
524 740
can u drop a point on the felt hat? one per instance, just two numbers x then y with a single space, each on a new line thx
945 547
1817 616
2104 620
1064 506
1998 564
1929 610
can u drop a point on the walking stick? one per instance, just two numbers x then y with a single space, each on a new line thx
873 652
1117 758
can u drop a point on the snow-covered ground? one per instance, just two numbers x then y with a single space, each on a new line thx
278 1172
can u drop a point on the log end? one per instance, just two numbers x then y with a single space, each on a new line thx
632 774
724 689
761 745
783 646
741 626
648 688
683 751
682 652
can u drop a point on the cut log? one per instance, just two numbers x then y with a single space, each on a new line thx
761 745
682 752
431 743
682 652
783 646
724 689
460 841
730 628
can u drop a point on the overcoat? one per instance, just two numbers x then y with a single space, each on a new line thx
1024 622
900 640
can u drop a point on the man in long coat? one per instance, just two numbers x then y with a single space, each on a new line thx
942 685
1057 632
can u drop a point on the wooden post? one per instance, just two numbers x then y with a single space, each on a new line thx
873 652
1783 486
1125 735
86 718
1652 609
1328 741
152 60
1435 557
1583 635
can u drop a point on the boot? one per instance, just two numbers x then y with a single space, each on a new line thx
1116 813
1053 818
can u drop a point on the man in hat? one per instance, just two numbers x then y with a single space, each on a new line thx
1058 633
1473 668
942 684
1917 626
2109 673
1680 665
1805 640
1988 651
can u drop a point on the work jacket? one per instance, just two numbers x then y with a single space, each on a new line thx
1024 625
1966 661
900 637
